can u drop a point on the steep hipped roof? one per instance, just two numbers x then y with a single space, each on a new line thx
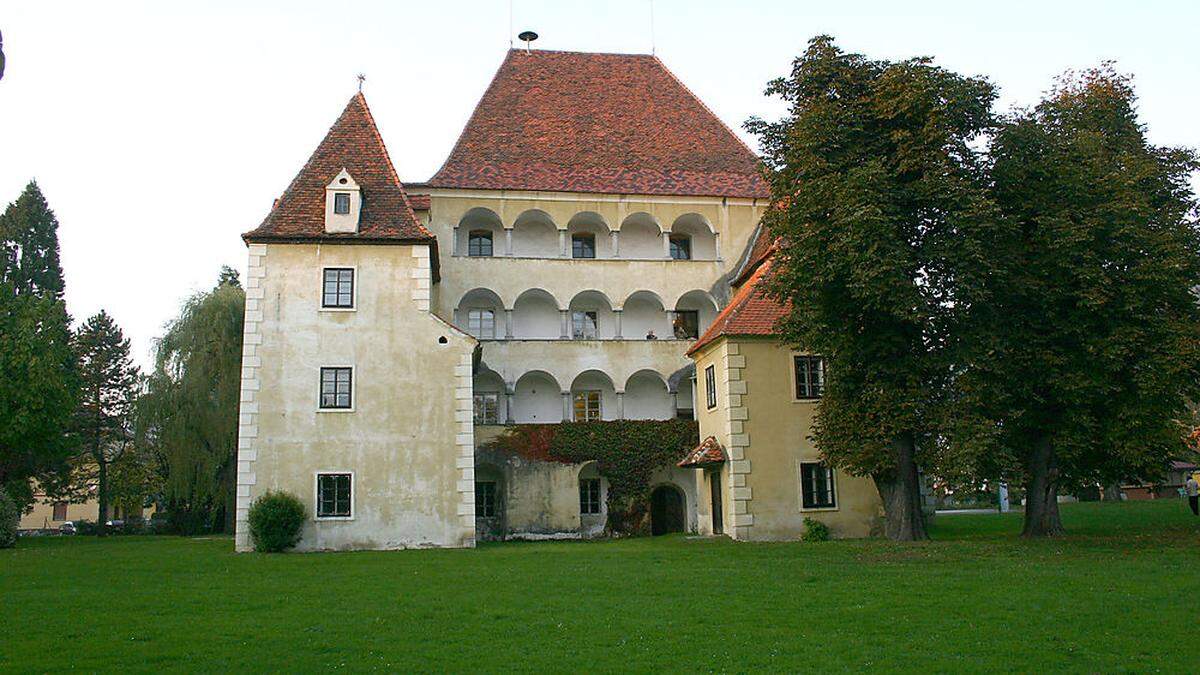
750 311
353 143
608 123
709 453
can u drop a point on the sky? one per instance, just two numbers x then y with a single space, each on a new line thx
161 131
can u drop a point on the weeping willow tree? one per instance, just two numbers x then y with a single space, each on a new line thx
188 417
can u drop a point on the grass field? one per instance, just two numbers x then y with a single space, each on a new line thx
1121 593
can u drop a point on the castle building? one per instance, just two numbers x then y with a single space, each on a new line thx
576 244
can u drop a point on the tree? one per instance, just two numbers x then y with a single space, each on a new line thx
190 414
109 384
873 173
38 391
1082 344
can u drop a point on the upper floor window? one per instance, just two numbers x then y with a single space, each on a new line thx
487 408
335 388
687 324
481 323
810 376
333 495
479 244
583 246
681 247
583 325
816 486
485 499
338 287
60 511
589 496
710 387
341 203
587 406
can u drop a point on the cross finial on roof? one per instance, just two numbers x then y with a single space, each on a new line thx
361 78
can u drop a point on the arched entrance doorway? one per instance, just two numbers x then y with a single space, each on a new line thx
666 510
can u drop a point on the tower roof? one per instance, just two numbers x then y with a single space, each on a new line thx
353 143
608 123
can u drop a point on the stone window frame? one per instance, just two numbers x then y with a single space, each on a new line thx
353 306
833 486
317 475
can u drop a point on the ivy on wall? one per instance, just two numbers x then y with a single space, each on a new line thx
626 453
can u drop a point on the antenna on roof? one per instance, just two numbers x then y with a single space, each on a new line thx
510 4
361 78
652 27
527 37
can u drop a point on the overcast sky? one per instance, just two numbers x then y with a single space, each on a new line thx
161 131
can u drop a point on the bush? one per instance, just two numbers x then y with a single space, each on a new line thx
275 521
87 528
10 520
815 530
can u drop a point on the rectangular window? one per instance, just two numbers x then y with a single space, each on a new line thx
333 495
338 287
487 408
479 244
710 387
485 499
60 511
687 324
341 203
481 323
335 388
583 246
587 406
810 376
681 247
589 496
816 486
583 325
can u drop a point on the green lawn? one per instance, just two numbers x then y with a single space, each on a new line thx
1121 593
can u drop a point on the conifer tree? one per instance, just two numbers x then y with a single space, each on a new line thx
30 233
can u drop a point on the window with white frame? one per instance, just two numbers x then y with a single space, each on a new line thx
336 388
681 247
479 244
687 324
587 406
816 486
337 288
481 323
341 203
710 387
487 408
333 495
584 325
485 499
589 496
810 376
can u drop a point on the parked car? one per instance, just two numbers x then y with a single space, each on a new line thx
67 528
115 524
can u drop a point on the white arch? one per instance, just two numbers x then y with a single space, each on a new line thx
536 315
648 396
597 380
479 218
535 235
592 301
691 221
537 398
641 237
481 299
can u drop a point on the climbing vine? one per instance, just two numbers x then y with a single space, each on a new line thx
626 453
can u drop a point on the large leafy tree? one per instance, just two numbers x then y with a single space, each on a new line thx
873 173
104 419
1082 343
38 388
190 413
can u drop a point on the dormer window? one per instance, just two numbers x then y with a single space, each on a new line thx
343 204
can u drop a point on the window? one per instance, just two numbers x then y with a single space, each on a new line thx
335 388
341 203
589 496
485 499
687 324
583 246
810 376
338 287
816 486
479 244
481 323
333 495
710 387
583 325
487 408
60 511
587 406
685 414
681 247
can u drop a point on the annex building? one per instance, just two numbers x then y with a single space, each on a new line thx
588 251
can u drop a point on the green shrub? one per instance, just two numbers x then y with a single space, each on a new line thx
10 520
815 530
275 521
87 528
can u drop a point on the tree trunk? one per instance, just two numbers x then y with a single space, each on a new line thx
1041 492
900 490
102 497
1112 492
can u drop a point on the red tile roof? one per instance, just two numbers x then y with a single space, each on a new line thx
353 143
419 202
749 312
608 123
708 453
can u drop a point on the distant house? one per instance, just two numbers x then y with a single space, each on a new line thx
1177 473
